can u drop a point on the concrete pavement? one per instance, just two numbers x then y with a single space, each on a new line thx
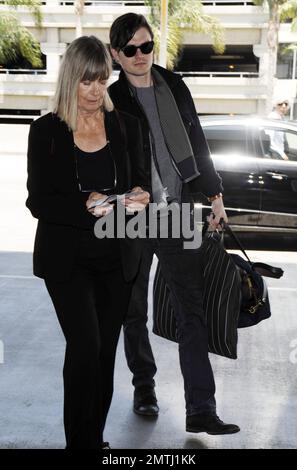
257 391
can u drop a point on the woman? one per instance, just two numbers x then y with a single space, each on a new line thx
84 147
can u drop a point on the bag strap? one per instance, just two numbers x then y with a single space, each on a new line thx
262 268
226 227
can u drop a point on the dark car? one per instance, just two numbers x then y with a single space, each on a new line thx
257 160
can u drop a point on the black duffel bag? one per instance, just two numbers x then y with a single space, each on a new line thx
235 295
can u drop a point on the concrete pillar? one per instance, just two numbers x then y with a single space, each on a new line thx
269 82
53 49
260 51
164 33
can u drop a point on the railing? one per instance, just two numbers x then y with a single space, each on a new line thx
105 2
227 2
139 2
220 74
23 71
116 72
90 3
18 117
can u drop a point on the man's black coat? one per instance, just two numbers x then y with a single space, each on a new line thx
209 182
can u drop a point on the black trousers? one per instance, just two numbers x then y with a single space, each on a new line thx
90 307
183 272
139 355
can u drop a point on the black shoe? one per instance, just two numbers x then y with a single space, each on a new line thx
209 423
145 402
104 445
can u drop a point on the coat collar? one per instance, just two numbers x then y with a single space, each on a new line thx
171 78
116 141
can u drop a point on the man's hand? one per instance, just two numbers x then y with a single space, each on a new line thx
218 213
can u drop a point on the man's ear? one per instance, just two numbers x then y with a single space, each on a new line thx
115 55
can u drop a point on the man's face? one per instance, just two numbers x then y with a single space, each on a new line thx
140 64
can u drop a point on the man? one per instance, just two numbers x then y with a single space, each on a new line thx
278 141
177 161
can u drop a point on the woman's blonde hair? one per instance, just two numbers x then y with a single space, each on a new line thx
86 58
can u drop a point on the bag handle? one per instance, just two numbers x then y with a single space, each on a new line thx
261 268
226 228
230 232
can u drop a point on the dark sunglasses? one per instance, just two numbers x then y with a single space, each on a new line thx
146 48
284 102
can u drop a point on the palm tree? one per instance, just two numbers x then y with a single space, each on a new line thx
184 15
279 10
289 11
15 40
79 10
32 5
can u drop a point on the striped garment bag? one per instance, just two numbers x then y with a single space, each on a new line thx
222 300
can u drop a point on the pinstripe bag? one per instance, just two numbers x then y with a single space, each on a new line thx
235 295
222 300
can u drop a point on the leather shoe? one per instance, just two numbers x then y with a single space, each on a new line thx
145 402
104 446
209 423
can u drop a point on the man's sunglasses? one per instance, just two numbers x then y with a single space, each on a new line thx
284 102
146 48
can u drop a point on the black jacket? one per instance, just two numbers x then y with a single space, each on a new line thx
54 197
209 182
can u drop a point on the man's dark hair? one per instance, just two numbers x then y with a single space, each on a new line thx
124 28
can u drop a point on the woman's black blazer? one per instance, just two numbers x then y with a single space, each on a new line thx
54 197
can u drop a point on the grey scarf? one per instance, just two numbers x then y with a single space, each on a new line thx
173 129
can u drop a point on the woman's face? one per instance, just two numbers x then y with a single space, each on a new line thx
91 95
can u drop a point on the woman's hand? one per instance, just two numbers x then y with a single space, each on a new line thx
94 197
218 213
98 211
138 202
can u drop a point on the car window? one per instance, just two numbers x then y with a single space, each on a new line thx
279 144
226 139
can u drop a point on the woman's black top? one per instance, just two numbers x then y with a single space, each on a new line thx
95 170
